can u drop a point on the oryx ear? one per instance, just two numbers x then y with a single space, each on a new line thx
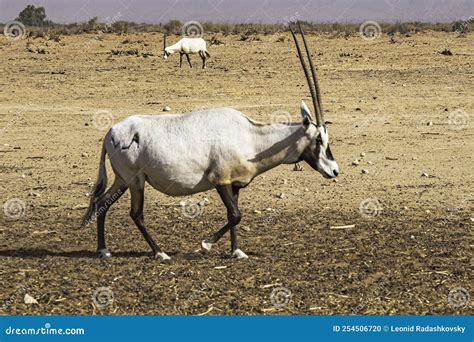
305 113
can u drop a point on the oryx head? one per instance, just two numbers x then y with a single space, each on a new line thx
318 153
166 53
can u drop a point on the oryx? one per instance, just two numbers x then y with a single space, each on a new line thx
187 46
217 148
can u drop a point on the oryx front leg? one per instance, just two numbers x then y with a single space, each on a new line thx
229 196
137 195
189 60
181 59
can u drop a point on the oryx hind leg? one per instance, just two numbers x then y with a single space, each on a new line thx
102 206
137 187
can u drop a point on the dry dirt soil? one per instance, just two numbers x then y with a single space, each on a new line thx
400 108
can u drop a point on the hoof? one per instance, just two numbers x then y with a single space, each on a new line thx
162 255
206 246
239 254
104 253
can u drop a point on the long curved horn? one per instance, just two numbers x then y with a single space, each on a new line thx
313 72
306 73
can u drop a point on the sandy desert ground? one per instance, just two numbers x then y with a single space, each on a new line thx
402 109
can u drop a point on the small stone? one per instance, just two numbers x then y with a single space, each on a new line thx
369 162
355 162
84 155
285 181
412 237
334 180
258 212
429 123
424 174
306 189
281 195
182 203
204 202
298 167
247 229
414 158
362 154
427 211
29 299
167 109
365 171
405 208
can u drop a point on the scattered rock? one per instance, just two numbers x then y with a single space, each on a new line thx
362 154
84 155
356 162
281 195
370 163
204 202
167 109
258 212
424 174
298 167
182 203
429 123
29 300
365 171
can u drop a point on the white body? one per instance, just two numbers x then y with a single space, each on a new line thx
187 46
189 153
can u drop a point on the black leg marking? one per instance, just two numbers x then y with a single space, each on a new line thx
138 197
102 206
230 198
189 60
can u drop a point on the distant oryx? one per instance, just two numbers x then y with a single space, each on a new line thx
187 46
217 148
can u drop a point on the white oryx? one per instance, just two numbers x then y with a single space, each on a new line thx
217 148
187 46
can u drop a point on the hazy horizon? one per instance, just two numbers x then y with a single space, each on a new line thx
263 11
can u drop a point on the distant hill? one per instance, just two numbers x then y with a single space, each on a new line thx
241 11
